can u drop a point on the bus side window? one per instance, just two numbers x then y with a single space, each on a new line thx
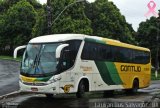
147 57
69 54
126 55
107 55
141 57
113 54
66 59
85 52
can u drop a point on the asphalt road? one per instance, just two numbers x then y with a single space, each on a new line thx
92 100
9 71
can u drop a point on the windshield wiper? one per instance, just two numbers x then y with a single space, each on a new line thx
35 60
35 63
38 58
40 53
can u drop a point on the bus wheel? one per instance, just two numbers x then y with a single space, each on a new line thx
81 90
49 95
134 88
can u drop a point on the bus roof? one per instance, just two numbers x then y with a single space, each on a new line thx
65 37
56 38
114 43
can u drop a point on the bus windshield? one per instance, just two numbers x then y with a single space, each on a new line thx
39 60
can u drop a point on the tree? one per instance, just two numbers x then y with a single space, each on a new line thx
72 20
6 4
2 25
20 18
147 34
40 27
5 34
108 22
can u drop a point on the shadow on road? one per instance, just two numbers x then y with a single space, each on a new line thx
43 102
70 101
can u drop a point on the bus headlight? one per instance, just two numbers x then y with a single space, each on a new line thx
54 79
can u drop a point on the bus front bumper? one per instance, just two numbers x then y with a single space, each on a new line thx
52 88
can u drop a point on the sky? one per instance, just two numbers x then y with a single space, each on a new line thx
133 10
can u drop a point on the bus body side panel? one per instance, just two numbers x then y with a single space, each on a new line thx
66 84
127 76
128 72
112 75
115 75
108 79
88 69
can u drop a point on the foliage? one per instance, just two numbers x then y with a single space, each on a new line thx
40 27
6 4
147 35
21 20
72 20
107 21
153 75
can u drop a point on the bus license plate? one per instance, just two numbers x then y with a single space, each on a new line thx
34 89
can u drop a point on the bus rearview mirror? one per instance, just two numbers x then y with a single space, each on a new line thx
59 49
17 49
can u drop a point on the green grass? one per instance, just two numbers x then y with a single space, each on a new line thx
10 58
153 75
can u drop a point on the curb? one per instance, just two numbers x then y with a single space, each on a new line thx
14 94
10 94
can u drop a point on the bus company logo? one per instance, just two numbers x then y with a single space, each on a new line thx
151 6
128 68
86 69
66 88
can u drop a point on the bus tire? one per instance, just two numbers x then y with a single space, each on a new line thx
135 87
81 90
49 96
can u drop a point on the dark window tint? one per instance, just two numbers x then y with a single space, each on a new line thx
69 54
102 52
93 51
121 54
140 56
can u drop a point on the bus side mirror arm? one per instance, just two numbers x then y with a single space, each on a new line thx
17 49
59 49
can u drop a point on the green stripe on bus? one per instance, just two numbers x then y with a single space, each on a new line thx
102 67
113 73
108 73
43 79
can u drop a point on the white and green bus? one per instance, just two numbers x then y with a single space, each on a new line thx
77 63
